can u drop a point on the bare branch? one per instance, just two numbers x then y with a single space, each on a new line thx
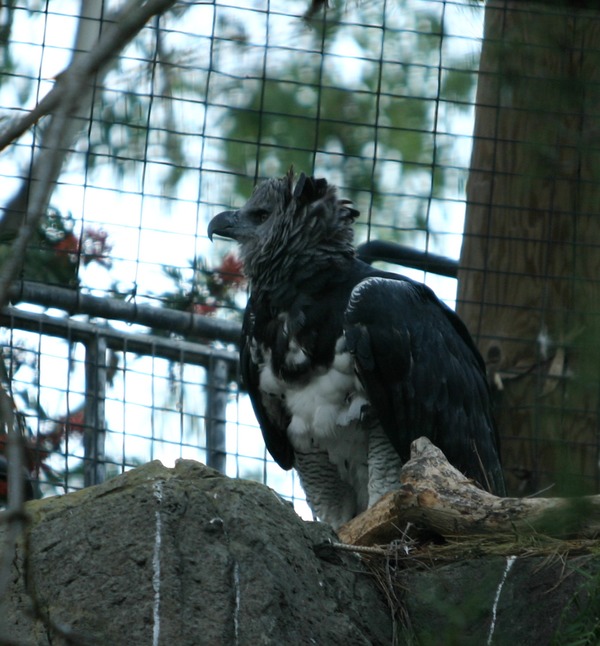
124 25
73 87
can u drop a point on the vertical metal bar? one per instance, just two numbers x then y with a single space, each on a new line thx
94 418
216 407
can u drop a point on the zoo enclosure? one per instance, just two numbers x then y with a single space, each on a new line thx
205 100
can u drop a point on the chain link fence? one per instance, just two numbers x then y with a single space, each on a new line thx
122 138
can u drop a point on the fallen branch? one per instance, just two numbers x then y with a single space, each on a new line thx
435 496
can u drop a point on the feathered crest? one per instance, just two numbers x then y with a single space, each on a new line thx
309 190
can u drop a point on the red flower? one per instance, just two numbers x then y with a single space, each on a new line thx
67 245
204 308
96 247
73 423
93 247
231 270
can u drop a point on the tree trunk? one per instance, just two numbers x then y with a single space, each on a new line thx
529 280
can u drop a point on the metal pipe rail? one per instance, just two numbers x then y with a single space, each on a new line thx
221 365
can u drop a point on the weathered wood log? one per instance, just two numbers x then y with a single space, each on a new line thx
435 496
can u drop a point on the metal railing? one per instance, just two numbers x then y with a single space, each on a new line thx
98 338
194 347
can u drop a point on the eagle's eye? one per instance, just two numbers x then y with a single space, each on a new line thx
261 215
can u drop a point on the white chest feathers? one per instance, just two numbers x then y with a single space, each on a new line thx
327 433
325 411
343 457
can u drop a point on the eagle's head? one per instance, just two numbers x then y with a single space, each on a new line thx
287 224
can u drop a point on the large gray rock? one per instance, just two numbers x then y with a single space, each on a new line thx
187 556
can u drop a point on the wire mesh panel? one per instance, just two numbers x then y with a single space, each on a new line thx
528 283
205 100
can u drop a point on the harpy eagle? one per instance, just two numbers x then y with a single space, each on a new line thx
346 365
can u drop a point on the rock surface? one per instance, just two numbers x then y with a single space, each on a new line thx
550 600
186 556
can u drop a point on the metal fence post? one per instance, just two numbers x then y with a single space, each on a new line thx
94 417
216 407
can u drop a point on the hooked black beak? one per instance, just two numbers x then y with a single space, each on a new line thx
223 224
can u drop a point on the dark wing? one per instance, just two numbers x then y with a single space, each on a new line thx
423 374
270 412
